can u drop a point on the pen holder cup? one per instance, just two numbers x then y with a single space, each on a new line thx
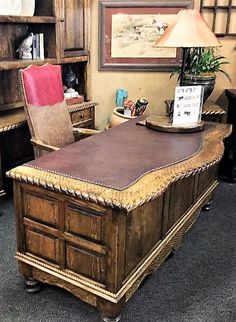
118 117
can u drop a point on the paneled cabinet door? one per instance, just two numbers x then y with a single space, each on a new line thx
74 26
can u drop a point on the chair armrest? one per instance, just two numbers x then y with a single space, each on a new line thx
85 131
47 147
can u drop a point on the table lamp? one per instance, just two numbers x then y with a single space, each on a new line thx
189 30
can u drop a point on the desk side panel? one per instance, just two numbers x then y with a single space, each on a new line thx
149 225
205 178
177 199
143 231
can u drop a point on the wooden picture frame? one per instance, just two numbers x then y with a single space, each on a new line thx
128 31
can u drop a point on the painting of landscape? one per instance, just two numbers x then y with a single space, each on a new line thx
134 35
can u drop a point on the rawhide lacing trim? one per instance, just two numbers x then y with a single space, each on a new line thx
81 106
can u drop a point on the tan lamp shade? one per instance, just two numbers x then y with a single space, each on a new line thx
188 30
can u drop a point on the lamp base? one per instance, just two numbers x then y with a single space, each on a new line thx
163 124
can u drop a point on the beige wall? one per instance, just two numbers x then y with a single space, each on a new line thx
155 86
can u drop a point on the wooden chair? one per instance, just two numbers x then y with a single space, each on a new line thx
47 113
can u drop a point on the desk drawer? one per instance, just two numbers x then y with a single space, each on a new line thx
81 117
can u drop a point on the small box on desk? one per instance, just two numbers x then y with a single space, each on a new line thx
75 100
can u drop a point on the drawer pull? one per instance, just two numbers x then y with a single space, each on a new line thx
82 116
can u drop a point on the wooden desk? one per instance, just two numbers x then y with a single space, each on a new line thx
88 230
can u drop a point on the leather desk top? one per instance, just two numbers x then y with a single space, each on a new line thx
106 167
120 156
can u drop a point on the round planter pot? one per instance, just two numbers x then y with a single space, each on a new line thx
118 117
206 80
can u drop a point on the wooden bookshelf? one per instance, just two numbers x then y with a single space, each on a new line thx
65 25
26 19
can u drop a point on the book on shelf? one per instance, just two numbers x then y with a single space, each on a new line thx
38 46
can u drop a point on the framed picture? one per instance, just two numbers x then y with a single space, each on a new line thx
128 31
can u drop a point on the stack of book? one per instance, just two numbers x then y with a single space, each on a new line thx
38 46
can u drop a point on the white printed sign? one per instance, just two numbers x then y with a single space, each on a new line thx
187 105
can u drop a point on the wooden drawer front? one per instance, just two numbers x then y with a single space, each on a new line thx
81 116
88 264
84 223
41 209
43 246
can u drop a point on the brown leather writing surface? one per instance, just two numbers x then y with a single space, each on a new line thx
118 157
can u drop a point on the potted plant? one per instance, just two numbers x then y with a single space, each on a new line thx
200 69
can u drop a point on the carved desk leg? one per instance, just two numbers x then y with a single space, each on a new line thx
106 319
32 285
207 206
111 312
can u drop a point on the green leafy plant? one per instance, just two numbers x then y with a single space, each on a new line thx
203 61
